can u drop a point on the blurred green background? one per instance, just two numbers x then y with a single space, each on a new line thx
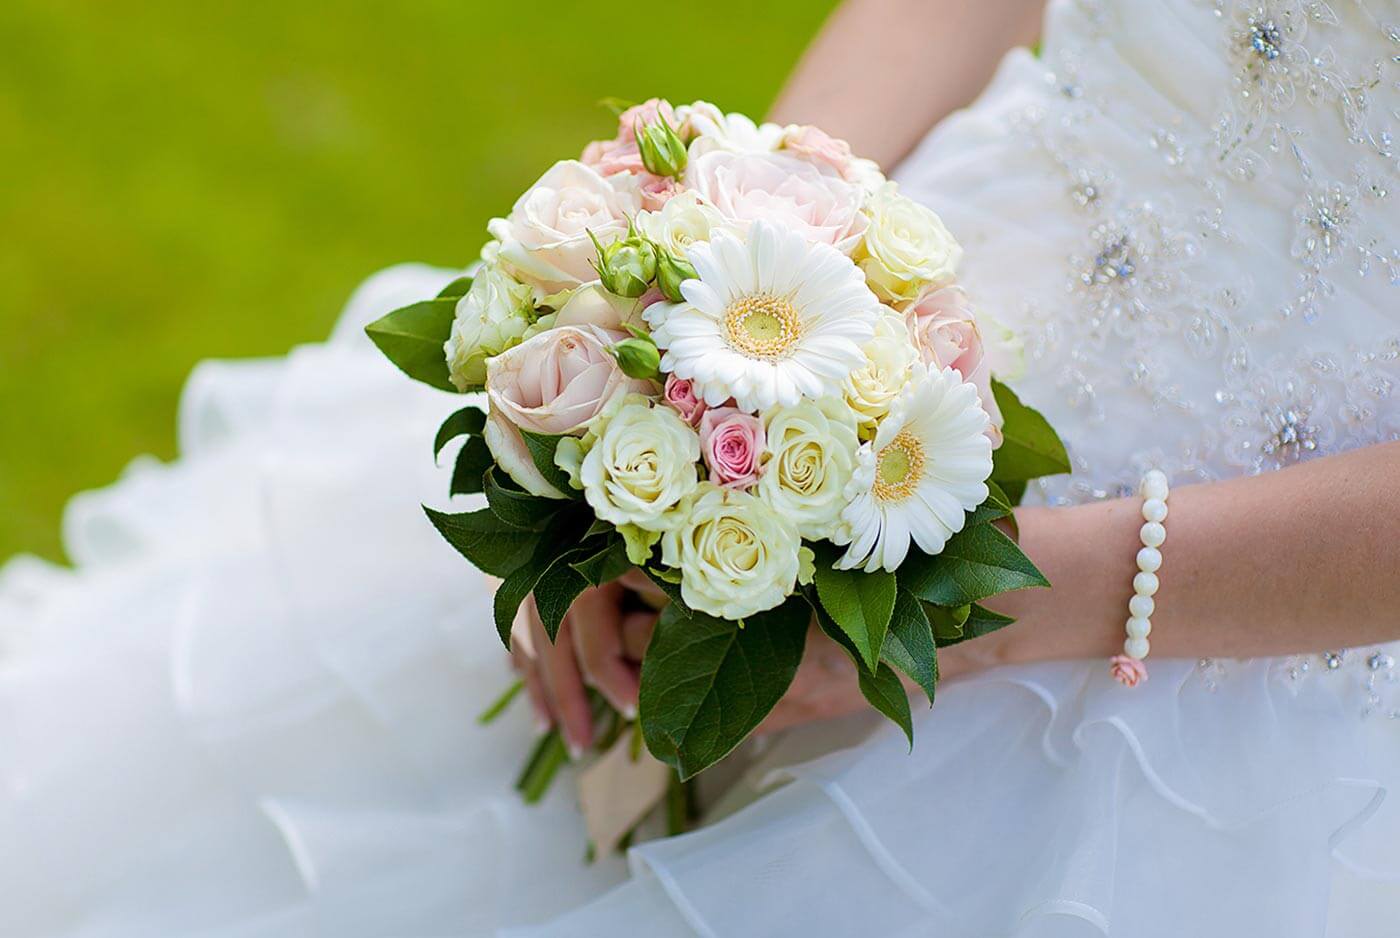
184 181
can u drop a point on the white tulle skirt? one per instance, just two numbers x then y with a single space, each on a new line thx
249 712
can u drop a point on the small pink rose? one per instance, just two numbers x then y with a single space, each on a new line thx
1127 671
682 397
943 326
731 442
817 146
657 191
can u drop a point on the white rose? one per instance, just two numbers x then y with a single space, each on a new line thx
737 556
545 242
784 189
642 464
873 387
906 247
492 316
811 455
716 130
681 222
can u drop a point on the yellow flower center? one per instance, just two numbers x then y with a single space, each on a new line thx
762 325
899 467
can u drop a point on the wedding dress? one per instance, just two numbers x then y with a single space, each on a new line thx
250 709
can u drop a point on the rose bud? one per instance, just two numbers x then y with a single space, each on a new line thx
671 271
638 358
661 148
627 266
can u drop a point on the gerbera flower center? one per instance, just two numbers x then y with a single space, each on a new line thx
899 467
762 325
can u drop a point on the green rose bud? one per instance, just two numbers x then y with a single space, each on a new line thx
638 357
662 149
670 272
628 265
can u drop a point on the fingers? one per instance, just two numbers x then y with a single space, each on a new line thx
563 684
598 639
636 634
522 656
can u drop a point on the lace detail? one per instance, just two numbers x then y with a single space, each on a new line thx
1227 280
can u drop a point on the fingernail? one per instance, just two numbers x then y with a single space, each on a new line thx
629 711
542 725
575 751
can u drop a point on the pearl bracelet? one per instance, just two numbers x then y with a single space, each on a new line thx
1128 668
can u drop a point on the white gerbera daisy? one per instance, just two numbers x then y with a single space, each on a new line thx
772 319
926 468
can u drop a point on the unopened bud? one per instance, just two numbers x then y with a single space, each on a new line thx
671 272
638 358
662 149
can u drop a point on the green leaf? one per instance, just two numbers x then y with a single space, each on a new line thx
541 447
499 705
514 507
671 587
456 289
468 474
909 645
980 621
978 562
469 421
412 338
886 693
605 564
488 542
947 624
542 765
1015 490
859 602
706 682
994 508
556 591
551 545
1030 447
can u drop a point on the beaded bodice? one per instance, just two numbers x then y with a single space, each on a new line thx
1190 218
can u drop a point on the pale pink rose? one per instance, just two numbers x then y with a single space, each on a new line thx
817 146
544 241
594 305
943 326
731 442
610 157
508 448
558 381
657 191
682 397
782 188
1127 671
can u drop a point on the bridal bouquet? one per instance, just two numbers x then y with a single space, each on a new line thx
735 357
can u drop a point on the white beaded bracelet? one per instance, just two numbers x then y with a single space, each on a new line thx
1128 668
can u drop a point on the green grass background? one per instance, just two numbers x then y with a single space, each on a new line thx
183 181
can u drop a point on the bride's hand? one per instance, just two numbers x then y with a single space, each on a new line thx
825 686
600 644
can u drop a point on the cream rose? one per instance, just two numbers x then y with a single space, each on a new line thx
906 248
544 240
737 556
641 465
873 387
716 130
811 455
681 222
492 316
557 381
791 192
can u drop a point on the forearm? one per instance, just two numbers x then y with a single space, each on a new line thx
882 72
1304 559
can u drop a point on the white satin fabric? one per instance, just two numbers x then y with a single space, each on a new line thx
249 711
